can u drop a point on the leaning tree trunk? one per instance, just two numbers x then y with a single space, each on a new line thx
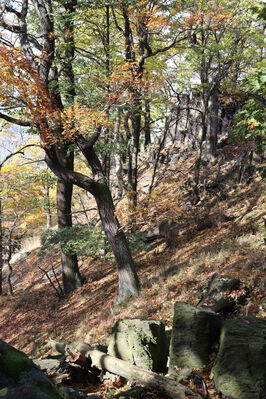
127 276
70 271
97 186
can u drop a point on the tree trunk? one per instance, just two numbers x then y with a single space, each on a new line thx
70 271
127 277
133 154
48 207
147 124
202 137
119 156
214 123
124 369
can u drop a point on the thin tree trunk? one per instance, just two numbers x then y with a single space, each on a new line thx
202 137
48 207
106 42
147 124
168 120
214 123
133 169
83 208
119 155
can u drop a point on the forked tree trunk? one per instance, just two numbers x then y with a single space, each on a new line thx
128 279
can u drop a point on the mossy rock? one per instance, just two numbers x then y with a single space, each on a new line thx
193 334
19 377
140 342
13 361
240 367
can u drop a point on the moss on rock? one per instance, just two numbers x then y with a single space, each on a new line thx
13 361
240 368
194 332
140 342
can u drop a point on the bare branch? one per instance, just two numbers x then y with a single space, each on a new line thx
14 120
20 151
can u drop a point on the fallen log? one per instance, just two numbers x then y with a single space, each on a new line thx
130 372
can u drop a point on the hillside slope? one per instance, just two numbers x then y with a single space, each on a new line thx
174 270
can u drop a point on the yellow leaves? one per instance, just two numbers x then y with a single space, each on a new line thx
78 119
21 83
211 16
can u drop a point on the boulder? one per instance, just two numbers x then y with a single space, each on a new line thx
240 367
222 295
20 377
140 342
193 334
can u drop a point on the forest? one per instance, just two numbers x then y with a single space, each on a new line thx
132 181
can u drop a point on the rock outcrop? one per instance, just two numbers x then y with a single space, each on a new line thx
140 342
21 378
193 334
240 368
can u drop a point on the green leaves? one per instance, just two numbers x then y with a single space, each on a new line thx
250 121
88 241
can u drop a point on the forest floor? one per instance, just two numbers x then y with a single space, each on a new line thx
234 249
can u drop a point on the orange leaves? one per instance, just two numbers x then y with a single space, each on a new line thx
78 119
21 84
126 83
211 16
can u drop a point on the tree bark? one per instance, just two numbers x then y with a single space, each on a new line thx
97 186
70 272
214 123
147 124
127 277
124 369
48 207
134 373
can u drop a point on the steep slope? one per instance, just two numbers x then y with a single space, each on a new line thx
172 268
